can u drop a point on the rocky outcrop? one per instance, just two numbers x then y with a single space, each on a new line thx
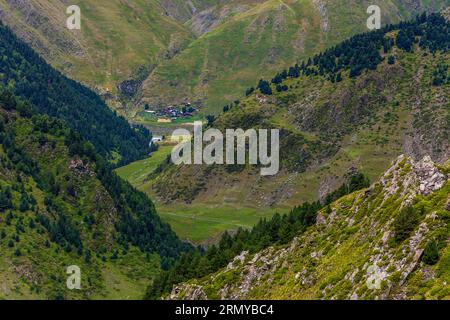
321 6
429 177
79 168
409 178
190 292
128 87
350 253
446 13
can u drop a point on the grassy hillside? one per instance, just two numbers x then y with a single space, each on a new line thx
117 38
204 51
256 39
327 128
137 172
385 242
61 205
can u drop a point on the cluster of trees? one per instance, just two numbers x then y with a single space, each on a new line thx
363 52
404 225
5 199
281 229
62 231
231 105
282 76
356 181
406 222
441 75
16 155
264 87
282 87
27 201
139 223
431 253
27 75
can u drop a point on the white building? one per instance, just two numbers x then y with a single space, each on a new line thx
156 139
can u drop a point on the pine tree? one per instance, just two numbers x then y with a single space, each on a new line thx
431 253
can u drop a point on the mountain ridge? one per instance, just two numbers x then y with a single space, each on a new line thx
126 50
267 36
332 259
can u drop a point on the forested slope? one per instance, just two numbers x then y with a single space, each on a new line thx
27 75
62 205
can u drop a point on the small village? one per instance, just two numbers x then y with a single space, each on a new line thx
172 113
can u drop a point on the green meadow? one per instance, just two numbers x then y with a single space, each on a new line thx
137 172
200 222
196 222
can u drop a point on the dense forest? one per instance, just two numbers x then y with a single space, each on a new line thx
279 230
27 75
135 220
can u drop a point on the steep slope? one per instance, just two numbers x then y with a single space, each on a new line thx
30 77
396 105
118 39
241 39
61 205
389 241
182 11
207 51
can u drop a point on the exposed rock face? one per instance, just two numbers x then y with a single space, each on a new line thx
128 87
78 167
414 178
206 20
429 176
320 5
184 10
422 139
446 13
190 292
237 260
350 253
26 271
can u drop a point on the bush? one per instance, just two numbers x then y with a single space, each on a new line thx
431 253
405 223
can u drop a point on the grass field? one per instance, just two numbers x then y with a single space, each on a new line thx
196 222
200 222
136 172
145 118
